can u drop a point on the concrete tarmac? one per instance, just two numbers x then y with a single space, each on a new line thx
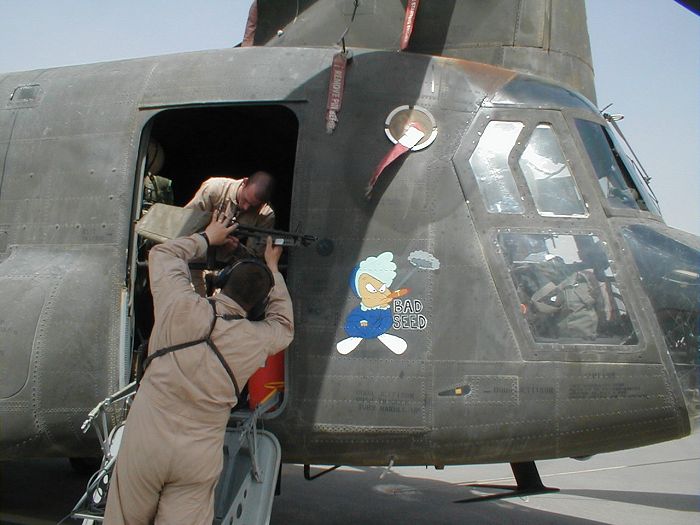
653 485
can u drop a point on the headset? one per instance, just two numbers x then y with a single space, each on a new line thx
244 270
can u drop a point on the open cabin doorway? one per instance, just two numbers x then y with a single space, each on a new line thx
230 141
197 143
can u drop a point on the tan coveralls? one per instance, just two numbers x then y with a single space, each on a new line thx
171 452
221 190
218 191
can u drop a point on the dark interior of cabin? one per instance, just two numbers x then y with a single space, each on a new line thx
230 141
220 141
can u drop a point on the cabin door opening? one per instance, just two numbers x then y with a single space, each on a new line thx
195 144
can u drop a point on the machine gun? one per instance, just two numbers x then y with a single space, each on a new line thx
279 237
163 222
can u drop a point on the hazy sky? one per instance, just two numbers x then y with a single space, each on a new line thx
646 55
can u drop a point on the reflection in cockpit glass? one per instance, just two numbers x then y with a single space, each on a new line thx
621 184
548 176
670 275
566 289
489 162
648 200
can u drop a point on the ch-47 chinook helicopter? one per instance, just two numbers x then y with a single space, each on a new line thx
493 280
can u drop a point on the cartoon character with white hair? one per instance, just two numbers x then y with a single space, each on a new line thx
370 280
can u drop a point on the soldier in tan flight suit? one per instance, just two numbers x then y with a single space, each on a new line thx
244 200
171 454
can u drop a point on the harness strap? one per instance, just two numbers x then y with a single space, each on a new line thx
571 282
230 317
547 290
216 350
226 367
210 343
169 349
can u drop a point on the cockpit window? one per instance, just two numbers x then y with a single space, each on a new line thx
489 162
670 275
566 289
548 176
615 176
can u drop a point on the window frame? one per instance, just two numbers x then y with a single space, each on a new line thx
569 340
582 351
509 162
488 226
530 118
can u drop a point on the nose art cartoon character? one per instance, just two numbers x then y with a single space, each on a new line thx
370 281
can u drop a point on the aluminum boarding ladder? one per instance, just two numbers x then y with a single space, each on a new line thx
252 459
246 487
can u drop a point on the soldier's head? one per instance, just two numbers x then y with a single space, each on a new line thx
248 282
255 191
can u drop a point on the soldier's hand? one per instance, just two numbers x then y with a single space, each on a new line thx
219 229
272 255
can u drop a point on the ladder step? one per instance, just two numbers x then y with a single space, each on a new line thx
240 497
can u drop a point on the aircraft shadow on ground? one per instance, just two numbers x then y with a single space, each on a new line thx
47 489
360 496
659 500
43 489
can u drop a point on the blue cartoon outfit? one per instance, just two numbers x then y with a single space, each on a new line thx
370 281
378 322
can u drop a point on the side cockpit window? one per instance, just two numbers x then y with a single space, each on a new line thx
566 288
548 175
669 271
615 177
489 162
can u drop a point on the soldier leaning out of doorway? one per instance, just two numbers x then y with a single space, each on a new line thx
170 456
245 201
